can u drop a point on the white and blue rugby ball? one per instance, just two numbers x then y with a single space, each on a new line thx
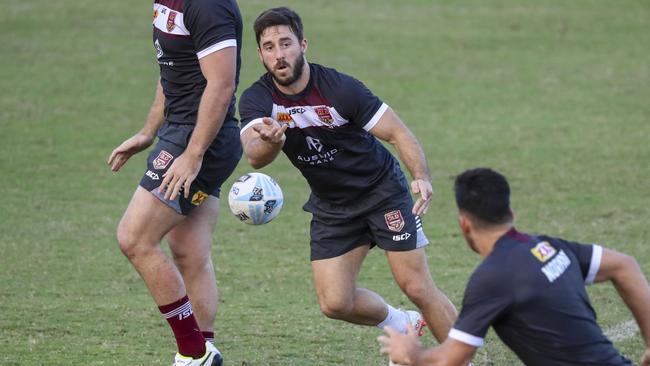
255 198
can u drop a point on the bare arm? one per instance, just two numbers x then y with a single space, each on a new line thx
406 349
144 138
219 69
156 115
262 142
625 273
390 128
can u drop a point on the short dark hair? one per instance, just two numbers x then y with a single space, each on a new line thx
278 16
484 194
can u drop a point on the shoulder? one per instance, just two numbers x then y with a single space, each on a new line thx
213 10
256 101
259 89
491 275
226 6
327 76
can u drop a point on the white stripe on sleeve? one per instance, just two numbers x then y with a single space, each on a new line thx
373 121
249 124
594 266
216 47
466 338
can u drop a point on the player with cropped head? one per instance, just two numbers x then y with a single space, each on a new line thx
529 288
197 44
328 125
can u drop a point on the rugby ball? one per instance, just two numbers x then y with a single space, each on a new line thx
255 198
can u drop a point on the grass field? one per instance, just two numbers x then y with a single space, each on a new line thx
553 93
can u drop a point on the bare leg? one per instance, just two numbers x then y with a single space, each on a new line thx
191 246
411 273
143 225
339 297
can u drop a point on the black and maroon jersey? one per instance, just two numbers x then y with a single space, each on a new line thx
328 138
531 290
183 32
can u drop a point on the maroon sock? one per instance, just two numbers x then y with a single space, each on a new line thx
209 336
189 339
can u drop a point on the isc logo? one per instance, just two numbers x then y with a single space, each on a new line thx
185 314
401 237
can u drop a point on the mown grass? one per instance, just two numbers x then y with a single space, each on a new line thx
553 93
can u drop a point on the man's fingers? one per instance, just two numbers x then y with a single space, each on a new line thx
415 187
111 157
186 187
176 186
117 163
417 207
165 182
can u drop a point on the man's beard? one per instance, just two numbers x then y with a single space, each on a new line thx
298 65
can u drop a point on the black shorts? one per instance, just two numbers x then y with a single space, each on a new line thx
219 161
390 226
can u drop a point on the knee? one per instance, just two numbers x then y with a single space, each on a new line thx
188 256
335 308
418 291
129 243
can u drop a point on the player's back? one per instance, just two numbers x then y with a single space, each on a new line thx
550 320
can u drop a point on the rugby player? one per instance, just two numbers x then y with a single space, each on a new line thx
529 288
197 44
328 125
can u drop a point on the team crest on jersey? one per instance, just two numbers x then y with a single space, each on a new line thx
198 198
155 13
162 160
543 251
284 117
170 21
394 220
323 114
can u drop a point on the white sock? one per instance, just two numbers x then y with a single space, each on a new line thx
396 319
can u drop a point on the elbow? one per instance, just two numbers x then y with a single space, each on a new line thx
256 163
626 269
229 87
630 260
222 87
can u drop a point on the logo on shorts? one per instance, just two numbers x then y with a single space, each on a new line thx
543 251
170 21
152 175
401 237
323 114
394 220
198 198
162 160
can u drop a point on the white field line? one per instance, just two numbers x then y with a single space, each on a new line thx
622 331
